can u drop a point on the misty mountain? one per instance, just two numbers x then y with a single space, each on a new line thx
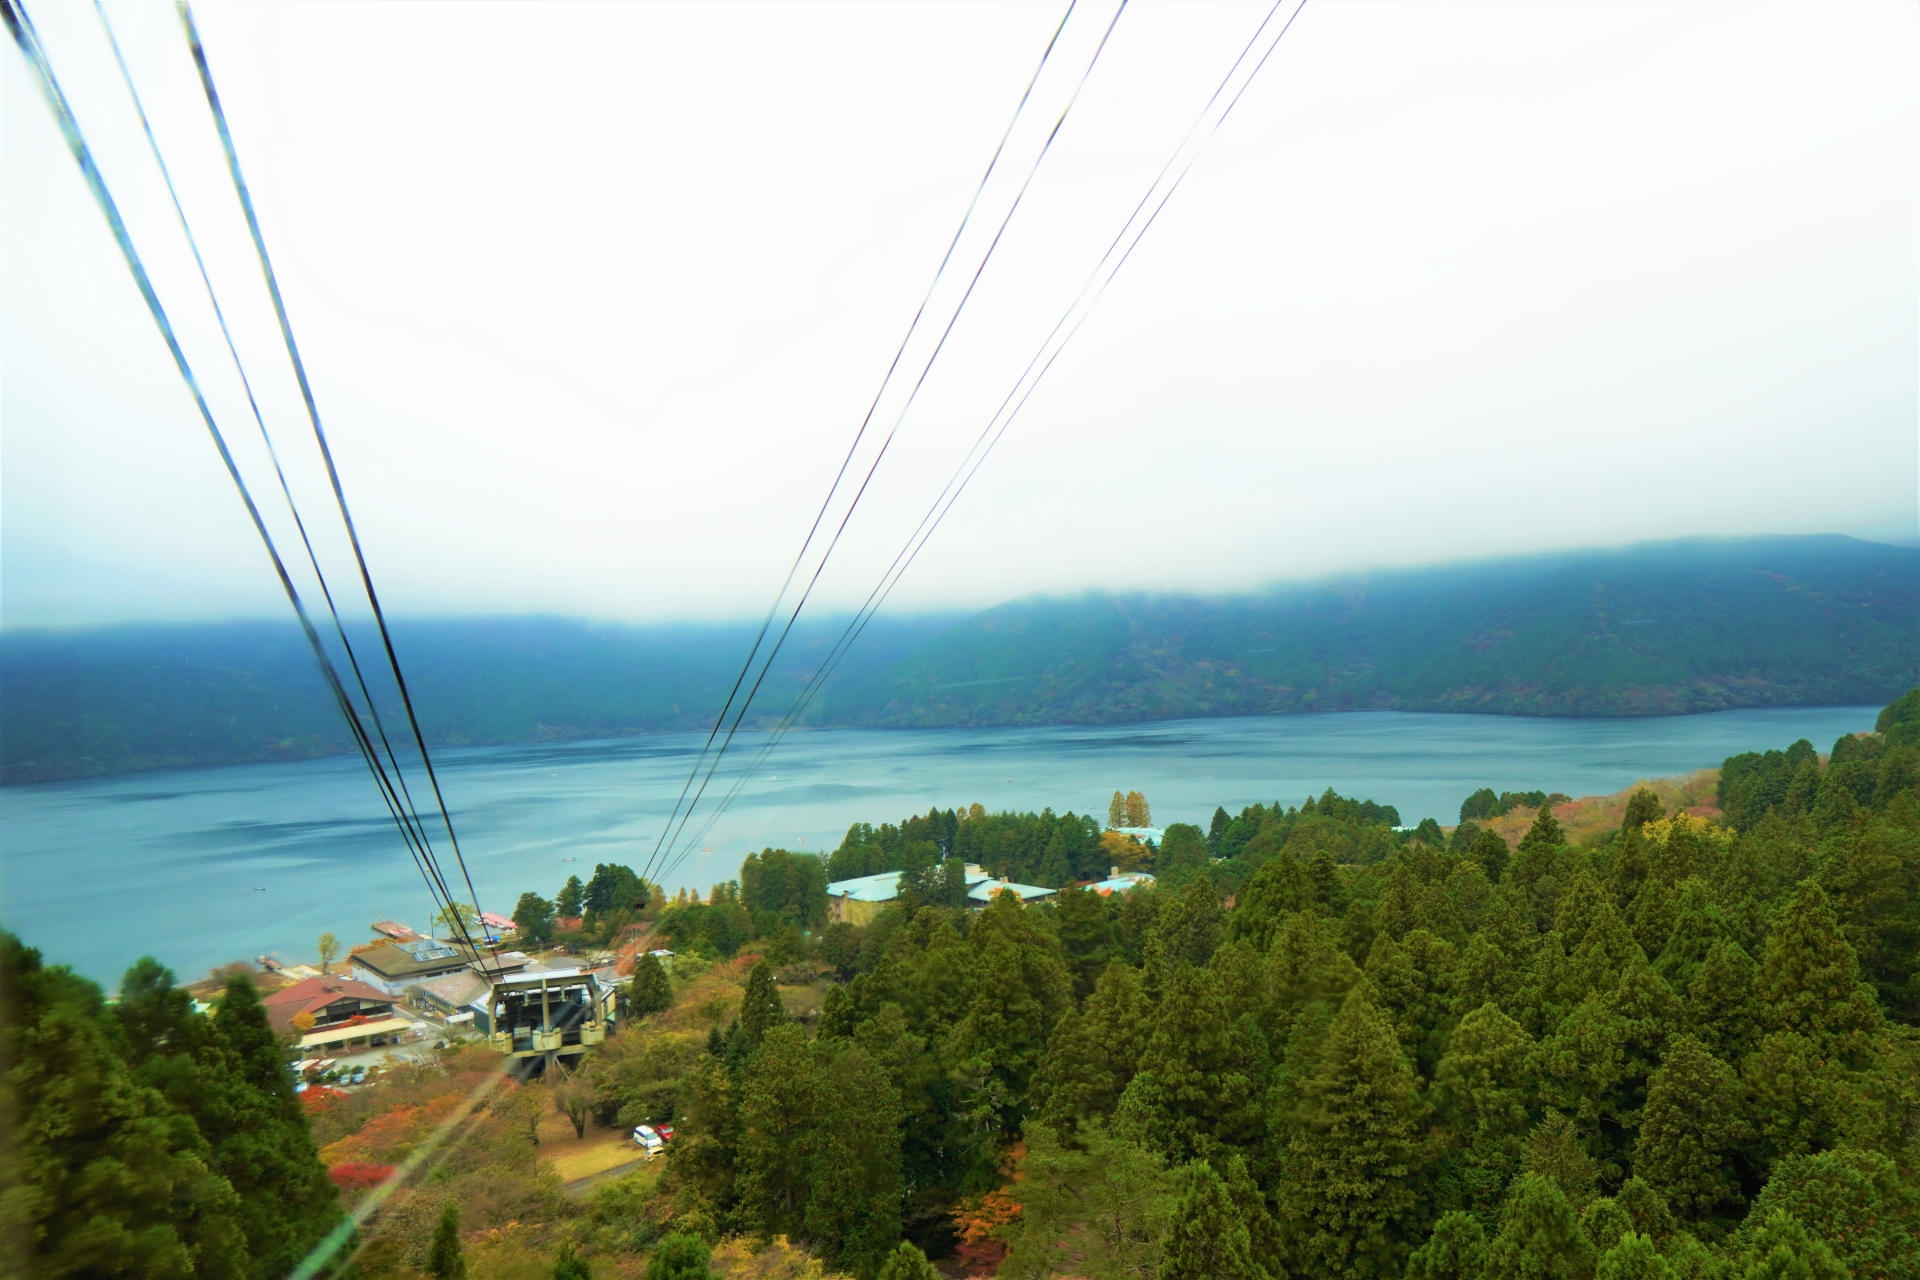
1699 625
1651 630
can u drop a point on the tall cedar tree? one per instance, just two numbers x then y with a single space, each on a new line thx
104 1176
651 992
1691 1131
1634 1257
1101 1210
445 1258
1457 1250
1539 1237
572 898
906 1262
853 1216
1857 1203
680 1257
1209 1239
760 1008
1205 1077
1347 1197
780 1107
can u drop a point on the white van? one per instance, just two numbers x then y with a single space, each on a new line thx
648 1140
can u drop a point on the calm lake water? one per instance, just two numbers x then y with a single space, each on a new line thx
202 867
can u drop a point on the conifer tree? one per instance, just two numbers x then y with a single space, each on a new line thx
1634 1257
680 1257
1206 1080
1489 849
1021 989
568 1265
260 1138
1486 976
837 1014
853 1215
1279 887
1554 1151
1209 1239
1116 812
761 1009
650 992
1697 925
907 1263
1643 806
1690 1131
1254 1211
1086 934
1630 867
1809 981
1777 1246
1483 1091
1545 833
572 898
1647 1209
1539 1237
1720 1008
445 1258
1605 1222
1457 1250
1191 926
1347 1199
1856 1202
780 1106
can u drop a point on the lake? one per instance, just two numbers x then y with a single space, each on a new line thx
206 866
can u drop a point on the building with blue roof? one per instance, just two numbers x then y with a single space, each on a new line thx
859 900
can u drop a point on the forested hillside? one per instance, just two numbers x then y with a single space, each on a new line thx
1686 1046
1676 627
1652 630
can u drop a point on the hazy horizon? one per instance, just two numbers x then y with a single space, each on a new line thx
593 297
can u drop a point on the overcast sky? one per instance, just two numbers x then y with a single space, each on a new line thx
594 296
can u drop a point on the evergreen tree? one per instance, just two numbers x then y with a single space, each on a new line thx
1691 1130
1483 1091
1647 1209
1116 812
1457 1250
1347 1197
102 1176
1086 933
853 1215
1100 1210
1630 867
1809 982
837 1014
568 1265
1539 1238
1545 833
1778 1247
533 918
1204 1070
1643 806
1279 887
1255 1212
572 898
761 1009
1209 1239
1605 1222
1721 1010
1554 1151
445 1258
1191 926
907 1263
651 992
1489 849
680 1257
780 1108
1021 990
1856 1202
1634 1258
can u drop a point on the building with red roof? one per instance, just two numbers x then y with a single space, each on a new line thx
328 1000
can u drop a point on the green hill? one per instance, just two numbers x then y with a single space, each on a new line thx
1658 629
1649 630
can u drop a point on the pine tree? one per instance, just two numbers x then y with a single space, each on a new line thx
1605 1222
1457 1250
1630 867
1021 989
1634 1257
260 1138
1539 1238
761 1009
1856 1202
1209 1239
1347 1197
1643 806
1279 887
1489 849
1690 1131
1545 833
568 1265
1190 927
1206 1079
907 1263
445 1258
837 1015
1720 1009
780 1106
1101 1210
651 992
1254 1211
1483 1091
680 1257
1553 1151
1809 981
854 1214
1647 1209
1116 812
572 898
1778 1247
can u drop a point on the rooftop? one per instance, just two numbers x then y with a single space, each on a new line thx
310 995
986 889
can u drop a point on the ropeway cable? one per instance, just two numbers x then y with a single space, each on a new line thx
408 815
319 433
898 420
860 434
20 27
970 465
